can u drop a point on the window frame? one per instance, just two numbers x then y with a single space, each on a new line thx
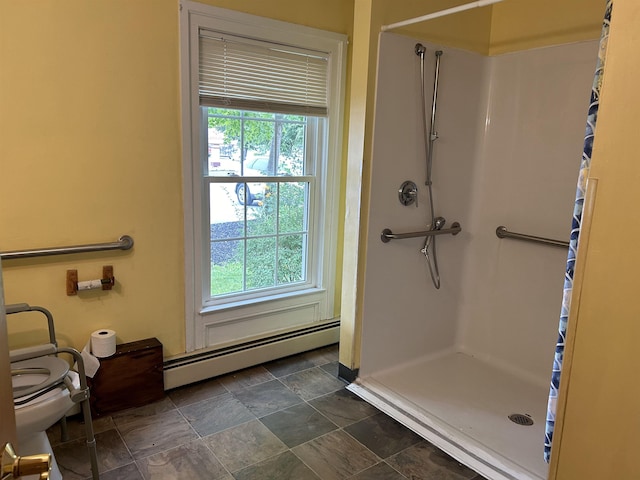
322 294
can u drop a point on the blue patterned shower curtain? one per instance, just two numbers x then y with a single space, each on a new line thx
575 233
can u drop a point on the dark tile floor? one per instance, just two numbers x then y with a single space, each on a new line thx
287 419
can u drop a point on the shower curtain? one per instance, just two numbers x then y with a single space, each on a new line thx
575 233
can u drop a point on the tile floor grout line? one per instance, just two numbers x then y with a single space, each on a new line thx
217 458
189 423
167 393
354 438
123 442
392 467
275 411
136 460
317 474
323 395
231 427
299 371
327 434
257 463
203 400
338 427
392 455
200 401
133 462
310 440
253 385
323 415
198 437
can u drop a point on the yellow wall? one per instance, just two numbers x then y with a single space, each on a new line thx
90 149
332 15
508 26
524 24
601 422
359 80
469 30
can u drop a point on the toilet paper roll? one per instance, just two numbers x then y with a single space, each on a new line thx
103 343
90 285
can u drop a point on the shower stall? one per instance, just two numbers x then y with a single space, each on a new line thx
455 363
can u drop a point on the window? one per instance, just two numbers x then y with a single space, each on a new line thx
260 192
262 115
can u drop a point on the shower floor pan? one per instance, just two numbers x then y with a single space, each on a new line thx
462 405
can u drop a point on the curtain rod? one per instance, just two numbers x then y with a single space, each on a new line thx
441 13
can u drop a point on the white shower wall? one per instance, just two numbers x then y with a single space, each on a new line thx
526 180
404 316
510 141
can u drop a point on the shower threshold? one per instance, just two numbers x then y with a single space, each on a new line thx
462 405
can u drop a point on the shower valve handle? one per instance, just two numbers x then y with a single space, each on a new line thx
408 193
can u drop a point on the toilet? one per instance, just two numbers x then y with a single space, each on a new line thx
41 398
45 390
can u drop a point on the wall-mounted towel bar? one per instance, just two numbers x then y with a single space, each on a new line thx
387 235
502 232
125 242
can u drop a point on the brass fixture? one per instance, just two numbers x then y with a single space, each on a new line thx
15 466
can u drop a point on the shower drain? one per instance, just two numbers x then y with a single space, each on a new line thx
521 419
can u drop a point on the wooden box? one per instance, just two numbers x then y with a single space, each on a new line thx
131 377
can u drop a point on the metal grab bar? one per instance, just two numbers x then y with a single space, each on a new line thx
502 232
125 242
387 235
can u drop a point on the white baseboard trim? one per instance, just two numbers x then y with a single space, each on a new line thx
199 366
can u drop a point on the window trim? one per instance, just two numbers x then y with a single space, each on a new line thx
192 16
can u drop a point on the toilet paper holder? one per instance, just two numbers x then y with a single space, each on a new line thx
105 283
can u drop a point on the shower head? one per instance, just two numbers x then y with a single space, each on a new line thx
420 49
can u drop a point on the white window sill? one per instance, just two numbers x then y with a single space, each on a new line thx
266 300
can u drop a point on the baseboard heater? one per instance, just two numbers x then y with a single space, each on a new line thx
191 368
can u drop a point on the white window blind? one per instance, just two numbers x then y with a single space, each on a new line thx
241 73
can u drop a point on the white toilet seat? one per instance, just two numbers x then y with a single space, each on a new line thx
29 377
36 411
